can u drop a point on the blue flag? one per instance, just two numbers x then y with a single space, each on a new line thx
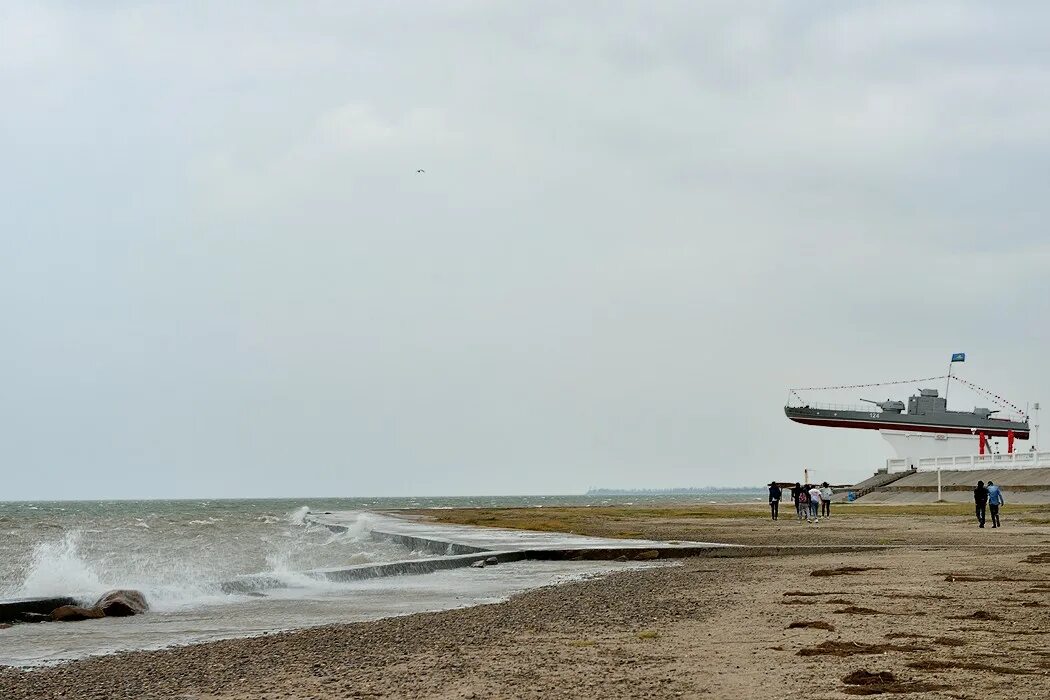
959 357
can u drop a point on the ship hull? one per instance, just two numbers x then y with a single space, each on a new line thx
947 423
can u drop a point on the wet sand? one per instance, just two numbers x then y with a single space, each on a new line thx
949 610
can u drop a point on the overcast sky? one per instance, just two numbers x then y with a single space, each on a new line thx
639 225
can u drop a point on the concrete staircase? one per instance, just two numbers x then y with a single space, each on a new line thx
877 481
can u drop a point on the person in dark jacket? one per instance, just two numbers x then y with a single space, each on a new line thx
775 492
796 494
980 499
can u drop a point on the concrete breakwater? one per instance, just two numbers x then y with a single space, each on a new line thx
260 584
456 546
462 541
26 609
529 545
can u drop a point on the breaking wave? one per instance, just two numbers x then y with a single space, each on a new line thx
184 563
56 568
298 516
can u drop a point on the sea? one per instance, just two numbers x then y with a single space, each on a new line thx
182 554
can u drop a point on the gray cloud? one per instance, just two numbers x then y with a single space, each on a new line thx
638 227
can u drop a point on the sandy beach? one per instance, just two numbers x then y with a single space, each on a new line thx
940 610
299 298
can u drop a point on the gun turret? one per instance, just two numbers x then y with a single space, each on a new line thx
888 405
984 412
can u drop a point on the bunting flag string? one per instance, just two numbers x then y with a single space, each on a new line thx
868 386
999 400
993 396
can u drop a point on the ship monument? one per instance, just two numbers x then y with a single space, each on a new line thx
924 433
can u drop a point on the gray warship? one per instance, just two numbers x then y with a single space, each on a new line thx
926 412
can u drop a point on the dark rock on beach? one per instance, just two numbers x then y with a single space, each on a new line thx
122 603
75 613
112 604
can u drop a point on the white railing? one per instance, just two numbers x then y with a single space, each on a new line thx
1017 460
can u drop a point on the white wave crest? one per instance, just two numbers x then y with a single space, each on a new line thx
57 568
180 568
357 531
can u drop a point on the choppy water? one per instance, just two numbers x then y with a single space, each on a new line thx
179 553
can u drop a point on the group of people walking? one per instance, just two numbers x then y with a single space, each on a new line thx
990 496
814 502
811 502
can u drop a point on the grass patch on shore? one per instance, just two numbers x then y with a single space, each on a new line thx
632 522
579 518
564 518
924 509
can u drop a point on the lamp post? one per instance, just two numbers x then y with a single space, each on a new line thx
1036 424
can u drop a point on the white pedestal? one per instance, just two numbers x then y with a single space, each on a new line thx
913 446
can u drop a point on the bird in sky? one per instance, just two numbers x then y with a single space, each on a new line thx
421 170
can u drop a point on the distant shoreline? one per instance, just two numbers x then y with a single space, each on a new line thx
675 491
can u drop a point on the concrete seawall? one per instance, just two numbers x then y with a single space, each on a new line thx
1020 486
24 609
422 535
517 545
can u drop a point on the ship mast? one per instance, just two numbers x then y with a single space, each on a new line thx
956 357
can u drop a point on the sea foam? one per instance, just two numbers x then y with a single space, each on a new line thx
56 568
181 565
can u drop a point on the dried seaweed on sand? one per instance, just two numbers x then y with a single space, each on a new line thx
844 570
837 648
864 682
812 624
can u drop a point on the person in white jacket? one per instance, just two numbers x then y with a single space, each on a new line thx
814 504
825 500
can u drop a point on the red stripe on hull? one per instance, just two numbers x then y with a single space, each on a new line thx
869 425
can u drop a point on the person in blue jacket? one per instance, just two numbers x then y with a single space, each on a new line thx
995 499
